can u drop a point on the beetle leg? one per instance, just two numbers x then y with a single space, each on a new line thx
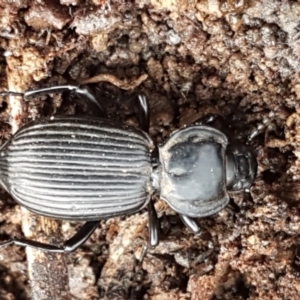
261 127
153 220
80 90
144 112
216 121
81 236
190 223
210 119
153 225
70 245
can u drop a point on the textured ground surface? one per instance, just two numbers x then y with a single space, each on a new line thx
241 61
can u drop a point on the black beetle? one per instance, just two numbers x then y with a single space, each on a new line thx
84 169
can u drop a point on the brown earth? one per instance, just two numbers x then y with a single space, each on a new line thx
236 58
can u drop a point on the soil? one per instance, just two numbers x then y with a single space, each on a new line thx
239 59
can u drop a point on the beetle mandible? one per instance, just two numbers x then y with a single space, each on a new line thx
84 169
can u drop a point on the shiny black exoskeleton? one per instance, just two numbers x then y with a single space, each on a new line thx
84 169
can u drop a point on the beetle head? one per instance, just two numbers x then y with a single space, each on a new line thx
241 167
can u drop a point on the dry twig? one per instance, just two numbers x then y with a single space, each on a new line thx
122 84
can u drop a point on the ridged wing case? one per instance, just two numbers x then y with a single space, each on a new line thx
78 168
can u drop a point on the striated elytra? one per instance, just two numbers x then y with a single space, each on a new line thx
84 169
77 169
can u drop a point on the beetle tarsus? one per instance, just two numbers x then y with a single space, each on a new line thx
69 246
80 90
10 93
32 244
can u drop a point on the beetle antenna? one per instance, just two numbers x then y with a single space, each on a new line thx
10 93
